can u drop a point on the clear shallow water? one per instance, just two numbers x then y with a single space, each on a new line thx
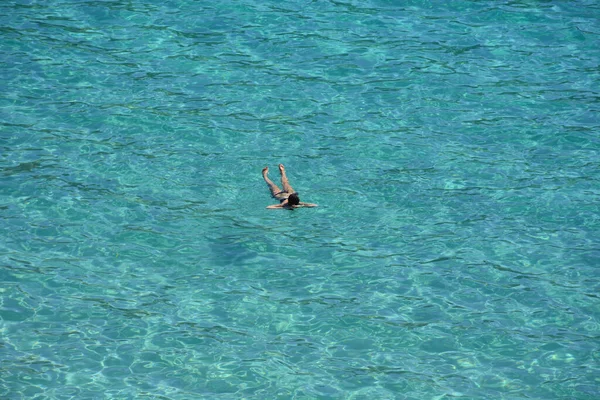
453 150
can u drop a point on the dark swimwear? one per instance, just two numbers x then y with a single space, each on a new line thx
282 196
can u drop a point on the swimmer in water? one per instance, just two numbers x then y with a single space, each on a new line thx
287 197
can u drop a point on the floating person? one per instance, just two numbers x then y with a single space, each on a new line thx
287 197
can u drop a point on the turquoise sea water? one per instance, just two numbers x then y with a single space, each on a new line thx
452 146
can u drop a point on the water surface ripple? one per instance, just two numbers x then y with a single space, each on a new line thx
452 148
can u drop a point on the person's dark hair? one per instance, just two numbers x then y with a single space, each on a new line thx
293 199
